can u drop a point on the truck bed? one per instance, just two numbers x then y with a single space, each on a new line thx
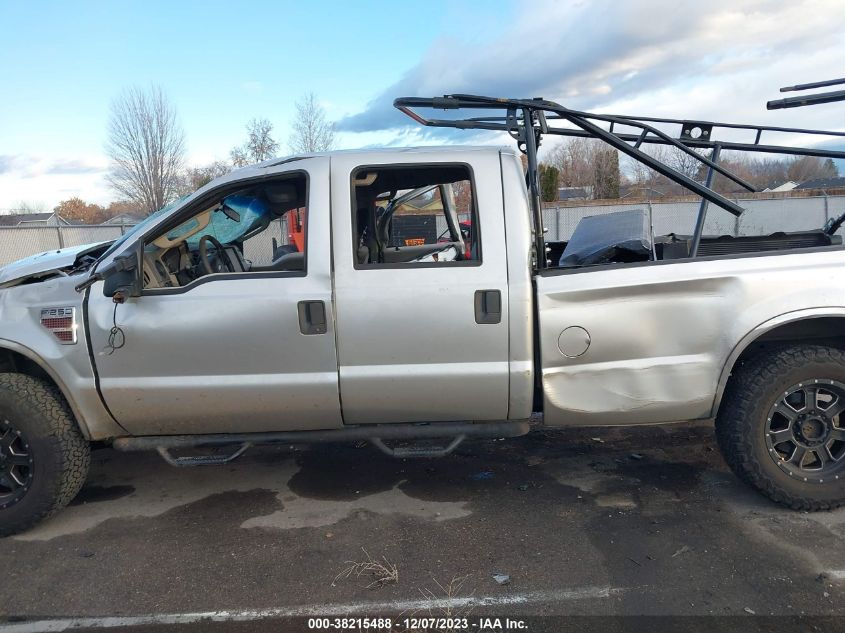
655 342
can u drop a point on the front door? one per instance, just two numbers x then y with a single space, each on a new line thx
421 289
228 339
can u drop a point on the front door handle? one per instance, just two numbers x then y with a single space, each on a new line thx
312 317
488 306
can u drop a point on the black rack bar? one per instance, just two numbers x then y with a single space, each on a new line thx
805 100
702 208
726 145
701 143
532 122
815 84
591 129
531 143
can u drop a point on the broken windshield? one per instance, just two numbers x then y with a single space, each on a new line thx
235 218
150 219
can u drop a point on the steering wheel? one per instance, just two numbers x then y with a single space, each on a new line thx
222 261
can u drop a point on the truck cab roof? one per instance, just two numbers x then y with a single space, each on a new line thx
380 153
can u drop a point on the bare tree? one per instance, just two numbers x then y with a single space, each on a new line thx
811 167
687 164
193 178
640 174
146 146
760 172
574 161
259 146
769 172
311 131
587 163
29 207
645 181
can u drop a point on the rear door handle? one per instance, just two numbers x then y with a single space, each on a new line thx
488 306
312 317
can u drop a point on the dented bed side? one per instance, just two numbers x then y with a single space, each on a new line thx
653 343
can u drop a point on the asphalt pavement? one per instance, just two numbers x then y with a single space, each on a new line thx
643 522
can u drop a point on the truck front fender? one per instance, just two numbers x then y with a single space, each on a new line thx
94 421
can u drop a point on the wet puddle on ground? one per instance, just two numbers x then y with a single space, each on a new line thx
148 488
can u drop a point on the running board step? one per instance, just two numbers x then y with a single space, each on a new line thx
417 451
201 460
375 433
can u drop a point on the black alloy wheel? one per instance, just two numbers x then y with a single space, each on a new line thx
16 465
805 433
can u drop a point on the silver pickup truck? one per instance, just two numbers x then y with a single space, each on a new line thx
414 303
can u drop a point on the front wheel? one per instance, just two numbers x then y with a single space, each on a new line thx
43 457
781 425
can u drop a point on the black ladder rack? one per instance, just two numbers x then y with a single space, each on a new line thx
528 120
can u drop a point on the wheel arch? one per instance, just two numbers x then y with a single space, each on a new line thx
17 358
817 325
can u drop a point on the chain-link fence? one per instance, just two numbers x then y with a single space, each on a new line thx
761 217
17 242
259 249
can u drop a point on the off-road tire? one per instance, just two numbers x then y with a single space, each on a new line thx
750 393
60 453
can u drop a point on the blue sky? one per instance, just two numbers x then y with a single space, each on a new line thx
223 63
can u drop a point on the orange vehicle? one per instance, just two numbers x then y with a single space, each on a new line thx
296 234
296 229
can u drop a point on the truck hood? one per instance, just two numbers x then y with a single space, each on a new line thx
48 263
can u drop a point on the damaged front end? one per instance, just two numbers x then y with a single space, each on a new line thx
49 264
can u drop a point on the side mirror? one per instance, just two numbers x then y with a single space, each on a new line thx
121 276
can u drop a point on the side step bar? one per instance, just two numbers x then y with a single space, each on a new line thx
377 433
201 460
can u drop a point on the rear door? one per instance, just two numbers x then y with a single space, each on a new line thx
420 287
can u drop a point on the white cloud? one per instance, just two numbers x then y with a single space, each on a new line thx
37 179
719 60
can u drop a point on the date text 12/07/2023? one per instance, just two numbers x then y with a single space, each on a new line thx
481 624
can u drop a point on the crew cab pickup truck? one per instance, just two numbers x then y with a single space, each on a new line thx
415 309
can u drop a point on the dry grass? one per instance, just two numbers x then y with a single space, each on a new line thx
442 598
450 591
382 572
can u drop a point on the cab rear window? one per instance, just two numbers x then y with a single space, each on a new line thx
412 215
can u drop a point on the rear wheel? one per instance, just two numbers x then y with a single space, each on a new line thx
781 425
43 457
